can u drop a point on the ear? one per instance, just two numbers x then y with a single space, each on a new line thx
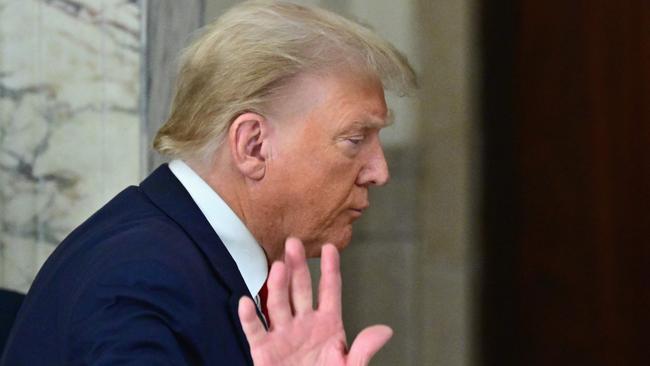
247 136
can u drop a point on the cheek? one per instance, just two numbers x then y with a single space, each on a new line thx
316 184
318 205
327 193
321 178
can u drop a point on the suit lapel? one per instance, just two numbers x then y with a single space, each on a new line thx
166 192
234 306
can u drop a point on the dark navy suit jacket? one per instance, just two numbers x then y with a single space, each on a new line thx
144 281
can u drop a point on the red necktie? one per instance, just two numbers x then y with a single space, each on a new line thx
264 295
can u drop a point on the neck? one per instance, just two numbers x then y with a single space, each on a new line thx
241 196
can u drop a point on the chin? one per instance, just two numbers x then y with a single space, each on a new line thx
341 239
343 243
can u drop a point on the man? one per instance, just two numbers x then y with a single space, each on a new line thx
274 136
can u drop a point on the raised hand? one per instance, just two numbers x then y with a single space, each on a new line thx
301 335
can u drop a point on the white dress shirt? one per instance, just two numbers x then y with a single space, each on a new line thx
240 243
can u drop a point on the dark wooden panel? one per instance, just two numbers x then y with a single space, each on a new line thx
498 293
580 179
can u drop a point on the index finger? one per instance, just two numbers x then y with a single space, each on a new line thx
329 290
250 322
301 296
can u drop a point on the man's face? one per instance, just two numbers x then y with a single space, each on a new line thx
326 155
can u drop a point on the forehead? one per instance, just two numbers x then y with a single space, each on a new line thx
358 99
355 98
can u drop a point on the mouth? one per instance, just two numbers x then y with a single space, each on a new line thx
355 214
358 211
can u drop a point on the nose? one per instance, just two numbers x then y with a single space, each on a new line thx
375 171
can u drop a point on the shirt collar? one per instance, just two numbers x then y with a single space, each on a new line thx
238 240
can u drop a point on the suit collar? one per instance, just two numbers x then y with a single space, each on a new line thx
169 195
238 240
166 192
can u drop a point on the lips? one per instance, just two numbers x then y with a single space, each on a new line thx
360 208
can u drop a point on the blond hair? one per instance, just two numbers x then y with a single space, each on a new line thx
239 61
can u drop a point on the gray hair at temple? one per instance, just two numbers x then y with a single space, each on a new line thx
240 62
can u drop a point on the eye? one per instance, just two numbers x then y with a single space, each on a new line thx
355 140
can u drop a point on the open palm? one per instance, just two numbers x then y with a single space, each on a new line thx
301 335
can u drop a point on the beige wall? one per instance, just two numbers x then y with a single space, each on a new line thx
412 263
448 187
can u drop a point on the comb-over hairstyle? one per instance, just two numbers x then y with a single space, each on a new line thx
238 63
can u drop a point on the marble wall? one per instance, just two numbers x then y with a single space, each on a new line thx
70 126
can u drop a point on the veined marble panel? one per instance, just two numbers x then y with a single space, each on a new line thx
70 123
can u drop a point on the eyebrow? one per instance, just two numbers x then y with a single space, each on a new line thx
371 123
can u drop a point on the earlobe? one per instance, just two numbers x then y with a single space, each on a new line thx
247 135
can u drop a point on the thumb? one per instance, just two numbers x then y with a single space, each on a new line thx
367 343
